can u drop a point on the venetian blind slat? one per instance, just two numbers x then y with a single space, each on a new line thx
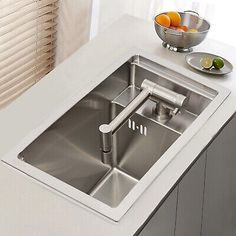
27 43
25 65
22 86
23 56
31 78
36 35
29 20
23 6
13 49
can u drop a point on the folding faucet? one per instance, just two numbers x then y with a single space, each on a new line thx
168 103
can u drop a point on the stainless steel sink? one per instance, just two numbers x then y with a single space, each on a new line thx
70 149
67 155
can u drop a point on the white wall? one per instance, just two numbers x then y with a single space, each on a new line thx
111 10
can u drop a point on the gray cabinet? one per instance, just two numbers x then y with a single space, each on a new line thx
190 200
181 213
163 221
219 212
204 201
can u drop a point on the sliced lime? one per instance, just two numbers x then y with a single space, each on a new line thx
218 63
206 62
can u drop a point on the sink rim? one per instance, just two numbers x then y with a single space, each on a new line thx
85 200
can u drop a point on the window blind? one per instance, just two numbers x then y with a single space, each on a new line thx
27 43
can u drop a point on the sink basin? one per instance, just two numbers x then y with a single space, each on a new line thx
70 150
67 156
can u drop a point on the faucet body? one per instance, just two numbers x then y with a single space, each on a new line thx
167 102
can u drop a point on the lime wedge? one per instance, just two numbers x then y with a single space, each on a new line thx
206 62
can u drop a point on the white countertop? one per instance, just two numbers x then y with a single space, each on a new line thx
28 208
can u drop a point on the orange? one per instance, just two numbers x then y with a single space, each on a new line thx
175 18
192 30
183 27
163 20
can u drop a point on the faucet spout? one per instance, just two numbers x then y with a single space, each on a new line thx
150 90
107 130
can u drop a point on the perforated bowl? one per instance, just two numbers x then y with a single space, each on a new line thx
183 41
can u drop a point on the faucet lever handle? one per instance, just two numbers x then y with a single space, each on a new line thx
174 111
165 111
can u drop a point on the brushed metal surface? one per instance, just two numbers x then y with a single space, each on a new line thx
167 102
70 150
67 155
114 187
137 152
183 41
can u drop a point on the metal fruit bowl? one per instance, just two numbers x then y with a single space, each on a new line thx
183 41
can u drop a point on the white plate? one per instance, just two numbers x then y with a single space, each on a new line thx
193 59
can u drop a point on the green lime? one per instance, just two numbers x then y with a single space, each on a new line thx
218 63
206 62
